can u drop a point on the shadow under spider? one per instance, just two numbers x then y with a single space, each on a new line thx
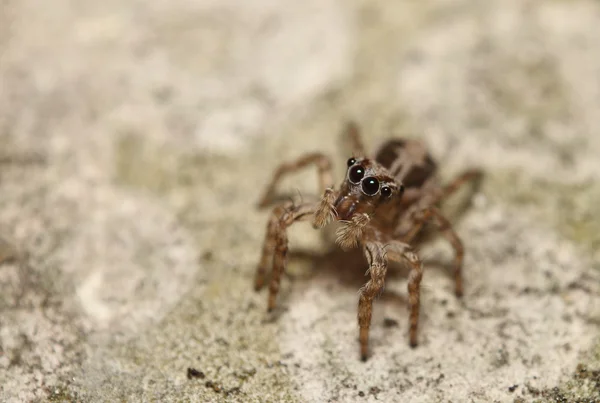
348 268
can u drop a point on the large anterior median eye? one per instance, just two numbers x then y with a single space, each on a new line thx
356 174
370 186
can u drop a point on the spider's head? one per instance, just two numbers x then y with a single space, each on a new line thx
367 186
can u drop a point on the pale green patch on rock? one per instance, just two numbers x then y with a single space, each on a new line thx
568 207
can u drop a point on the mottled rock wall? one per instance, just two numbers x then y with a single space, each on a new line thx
135 138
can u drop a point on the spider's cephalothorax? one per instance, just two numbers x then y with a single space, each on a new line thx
382 203
367 186
367 190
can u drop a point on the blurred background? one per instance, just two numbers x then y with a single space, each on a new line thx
136 138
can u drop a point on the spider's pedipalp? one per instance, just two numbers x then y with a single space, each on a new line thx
325 212
350 233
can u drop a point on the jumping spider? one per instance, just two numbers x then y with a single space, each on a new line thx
383 204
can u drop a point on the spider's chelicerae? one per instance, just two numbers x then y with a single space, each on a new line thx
383 203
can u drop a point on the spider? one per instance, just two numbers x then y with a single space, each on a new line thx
383 203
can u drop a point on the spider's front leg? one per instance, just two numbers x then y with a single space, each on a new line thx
324 167
275 246
376 257
399 251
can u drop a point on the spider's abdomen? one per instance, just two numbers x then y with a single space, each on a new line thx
407 160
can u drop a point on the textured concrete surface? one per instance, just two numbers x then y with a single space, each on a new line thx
135 138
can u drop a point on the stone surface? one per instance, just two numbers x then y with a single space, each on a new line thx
136 138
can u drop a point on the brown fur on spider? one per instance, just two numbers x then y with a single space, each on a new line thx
383 203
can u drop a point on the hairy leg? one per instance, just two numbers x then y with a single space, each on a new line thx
352 132
448 232
268 248
399 251
375 254
275 246
414 293
322 162
459 181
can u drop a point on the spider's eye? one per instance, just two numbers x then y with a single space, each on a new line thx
351 162
370 186
386 192
401 190
356 174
